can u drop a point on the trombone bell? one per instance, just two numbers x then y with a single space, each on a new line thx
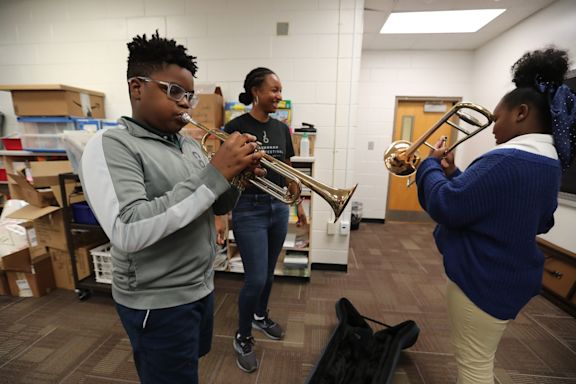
395 159
402 157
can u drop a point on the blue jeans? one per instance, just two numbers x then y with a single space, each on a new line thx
167 342
260 224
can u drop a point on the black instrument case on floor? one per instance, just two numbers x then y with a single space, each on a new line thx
357 355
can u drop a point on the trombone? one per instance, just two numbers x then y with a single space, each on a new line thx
338 199
402 157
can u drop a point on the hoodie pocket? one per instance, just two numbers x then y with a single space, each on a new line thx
124 272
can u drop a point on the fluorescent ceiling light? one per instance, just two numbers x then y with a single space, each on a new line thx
464 21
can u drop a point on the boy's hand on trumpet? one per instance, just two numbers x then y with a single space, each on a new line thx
446 159
238 154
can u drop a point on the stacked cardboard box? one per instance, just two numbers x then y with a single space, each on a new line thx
210 109
25 264
55 100
39 261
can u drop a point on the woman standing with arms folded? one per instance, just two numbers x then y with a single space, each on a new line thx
260 221
489 215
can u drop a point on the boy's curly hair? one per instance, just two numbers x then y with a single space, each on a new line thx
150 55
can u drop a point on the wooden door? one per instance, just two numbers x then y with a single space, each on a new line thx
410 123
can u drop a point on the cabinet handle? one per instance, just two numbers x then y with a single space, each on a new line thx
556 274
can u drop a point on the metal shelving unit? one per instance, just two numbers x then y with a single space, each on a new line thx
88 285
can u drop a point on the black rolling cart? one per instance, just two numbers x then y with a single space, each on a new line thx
85 287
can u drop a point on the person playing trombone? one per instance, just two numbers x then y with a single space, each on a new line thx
489 215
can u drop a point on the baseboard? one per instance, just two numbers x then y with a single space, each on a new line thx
378 221
408 216
329 267
560 302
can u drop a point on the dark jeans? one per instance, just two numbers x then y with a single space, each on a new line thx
167 342
260 225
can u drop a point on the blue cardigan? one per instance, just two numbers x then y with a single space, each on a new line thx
488 218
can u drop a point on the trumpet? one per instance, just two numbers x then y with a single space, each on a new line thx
338 199
402 157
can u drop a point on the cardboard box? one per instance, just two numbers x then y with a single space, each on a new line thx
39 197
49 227
13 236
62 265
45 173
17 235
4 288
55 100
48 223
36 249
36 283
73 195
210 110
17 261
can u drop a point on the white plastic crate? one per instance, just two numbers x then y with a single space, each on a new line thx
102 263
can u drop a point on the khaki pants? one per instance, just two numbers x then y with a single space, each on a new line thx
475 336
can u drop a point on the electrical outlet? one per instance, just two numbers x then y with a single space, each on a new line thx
344 227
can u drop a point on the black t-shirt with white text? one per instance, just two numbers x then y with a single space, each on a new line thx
275 138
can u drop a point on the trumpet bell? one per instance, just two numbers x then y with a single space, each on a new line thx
338 199
396 162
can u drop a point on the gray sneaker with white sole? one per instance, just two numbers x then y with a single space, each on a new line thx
269 327
245 356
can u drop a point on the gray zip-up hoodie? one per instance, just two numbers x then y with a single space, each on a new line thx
156 202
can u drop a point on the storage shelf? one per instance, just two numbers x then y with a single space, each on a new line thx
302 233
294 273
84 226
91 284
31 153
277 272
301 159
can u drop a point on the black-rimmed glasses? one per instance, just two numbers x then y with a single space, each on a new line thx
173 91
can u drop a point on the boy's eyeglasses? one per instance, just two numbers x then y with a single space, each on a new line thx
173 91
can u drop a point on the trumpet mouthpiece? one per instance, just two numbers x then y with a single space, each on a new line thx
185 117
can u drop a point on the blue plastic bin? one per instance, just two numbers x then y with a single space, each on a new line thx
83 214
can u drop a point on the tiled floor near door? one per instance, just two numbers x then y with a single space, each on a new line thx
395 273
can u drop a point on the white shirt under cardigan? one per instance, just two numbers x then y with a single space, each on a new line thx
537 143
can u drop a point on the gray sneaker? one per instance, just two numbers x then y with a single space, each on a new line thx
245 356
269 327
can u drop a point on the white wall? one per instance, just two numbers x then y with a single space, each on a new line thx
83 43
556 25
384 76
